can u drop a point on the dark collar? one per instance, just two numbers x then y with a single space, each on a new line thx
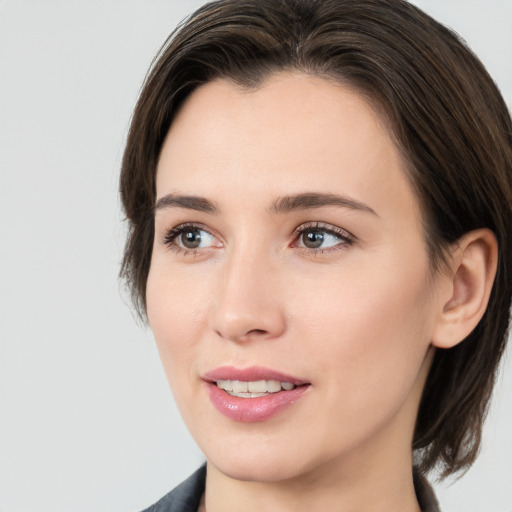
424 493
185 497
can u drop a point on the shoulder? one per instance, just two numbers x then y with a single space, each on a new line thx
185 497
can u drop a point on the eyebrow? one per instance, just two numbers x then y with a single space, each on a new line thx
190 202
316 200
284 204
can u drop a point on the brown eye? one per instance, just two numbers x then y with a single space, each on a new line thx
313 238
190 239
320 238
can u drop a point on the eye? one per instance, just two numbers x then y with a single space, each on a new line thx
189 237
319 237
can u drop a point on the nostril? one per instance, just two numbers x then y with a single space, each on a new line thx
240 319
243 336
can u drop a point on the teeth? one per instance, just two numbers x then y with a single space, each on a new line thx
273 386
239 386
227 385
253 389
264 386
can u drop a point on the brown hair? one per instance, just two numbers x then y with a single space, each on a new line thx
447 117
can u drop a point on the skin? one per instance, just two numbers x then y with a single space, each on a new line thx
354 319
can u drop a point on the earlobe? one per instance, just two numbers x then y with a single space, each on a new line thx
471 275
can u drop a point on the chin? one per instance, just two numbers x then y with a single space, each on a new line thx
260 461
266 470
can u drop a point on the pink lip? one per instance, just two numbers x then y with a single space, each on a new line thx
250 374
252 409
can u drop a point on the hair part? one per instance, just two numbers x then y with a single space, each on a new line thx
446 116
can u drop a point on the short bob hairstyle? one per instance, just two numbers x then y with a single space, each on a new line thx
445 114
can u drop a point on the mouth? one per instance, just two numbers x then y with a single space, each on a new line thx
253 394
254 388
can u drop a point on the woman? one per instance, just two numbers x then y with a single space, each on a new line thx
319 198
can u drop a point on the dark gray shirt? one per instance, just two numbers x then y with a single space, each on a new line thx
187 496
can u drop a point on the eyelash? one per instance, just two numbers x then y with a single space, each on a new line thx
346 239
171 235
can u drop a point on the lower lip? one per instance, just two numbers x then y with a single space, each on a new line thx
251 410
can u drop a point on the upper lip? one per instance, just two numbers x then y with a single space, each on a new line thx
250 374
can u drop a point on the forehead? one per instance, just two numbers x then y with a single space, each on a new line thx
289 109
295 133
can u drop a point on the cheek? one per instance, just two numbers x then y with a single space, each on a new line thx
368 335
176 316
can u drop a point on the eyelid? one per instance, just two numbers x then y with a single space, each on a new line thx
346 238
170 236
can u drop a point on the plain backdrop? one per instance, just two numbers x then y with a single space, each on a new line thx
87 423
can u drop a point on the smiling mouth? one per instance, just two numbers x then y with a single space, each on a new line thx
253 394
253 389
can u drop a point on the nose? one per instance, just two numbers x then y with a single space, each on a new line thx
249 304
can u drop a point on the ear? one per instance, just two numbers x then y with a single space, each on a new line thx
468 281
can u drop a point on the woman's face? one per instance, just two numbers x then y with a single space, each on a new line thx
289 249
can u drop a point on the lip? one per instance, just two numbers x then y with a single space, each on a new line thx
252 410
250 374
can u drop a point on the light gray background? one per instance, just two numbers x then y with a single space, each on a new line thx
87 422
